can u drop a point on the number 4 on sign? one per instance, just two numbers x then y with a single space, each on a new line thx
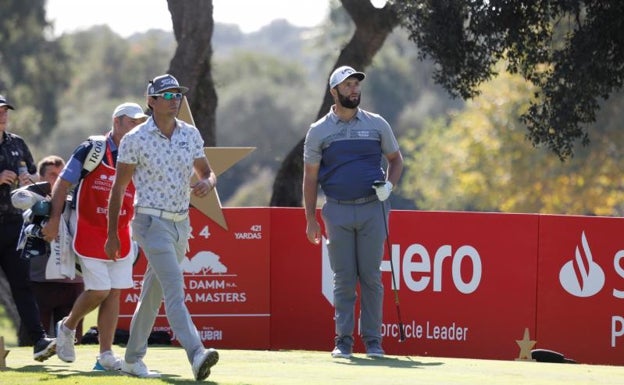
205 232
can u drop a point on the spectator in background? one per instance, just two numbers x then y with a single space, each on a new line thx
14 153
55 297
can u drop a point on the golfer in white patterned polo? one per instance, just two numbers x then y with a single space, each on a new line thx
160 156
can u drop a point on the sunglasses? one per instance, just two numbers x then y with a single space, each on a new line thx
170 95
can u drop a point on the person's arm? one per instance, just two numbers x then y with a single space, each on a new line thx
24 177
310 195
59 195
30 175
207 178
123 176
395 167
7 177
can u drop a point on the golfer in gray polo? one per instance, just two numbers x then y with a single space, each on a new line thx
343 152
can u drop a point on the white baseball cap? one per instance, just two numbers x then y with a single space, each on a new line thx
341 73
131 110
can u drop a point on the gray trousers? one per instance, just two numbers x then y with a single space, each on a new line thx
355 242
164 243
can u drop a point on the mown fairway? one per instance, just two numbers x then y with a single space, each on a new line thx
305 367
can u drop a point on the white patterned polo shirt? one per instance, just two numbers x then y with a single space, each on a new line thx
164 166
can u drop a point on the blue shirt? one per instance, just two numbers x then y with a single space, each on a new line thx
72 172
350 153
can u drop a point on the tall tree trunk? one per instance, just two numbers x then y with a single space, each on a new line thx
191 64
372 27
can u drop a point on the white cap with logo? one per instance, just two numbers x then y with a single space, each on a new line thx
131 110
341 73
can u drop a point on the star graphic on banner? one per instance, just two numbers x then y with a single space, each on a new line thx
221 159
525 344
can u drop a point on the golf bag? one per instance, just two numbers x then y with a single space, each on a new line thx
32 199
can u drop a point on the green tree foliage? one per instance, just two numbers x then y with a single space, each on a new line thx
252 192
33 69
264 103
398 83
107 70
572 50
480 160
109 66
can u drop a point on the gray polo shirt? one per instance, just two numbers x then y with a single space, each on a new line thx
349 153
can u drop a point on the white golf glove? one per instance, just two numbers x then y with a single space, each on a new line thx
383 189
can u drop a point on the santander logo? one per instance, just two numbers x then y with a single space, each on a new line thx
582 277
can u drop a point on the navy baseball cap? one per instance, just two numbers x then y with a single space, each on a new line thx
341 73
162 83
3 102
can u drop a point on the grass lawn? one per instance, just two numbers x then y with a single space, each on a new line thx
306 367
6 328
297 367
10 334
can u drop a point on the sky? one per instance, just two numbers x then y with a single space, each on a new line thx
126 17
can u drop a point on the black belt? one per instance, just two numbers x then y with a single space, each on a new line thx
358 201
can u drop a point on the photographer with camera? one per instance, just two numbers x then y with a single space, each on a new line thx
15 154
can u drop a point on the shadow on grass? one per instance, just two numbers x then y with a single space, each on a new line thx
391 362
61 371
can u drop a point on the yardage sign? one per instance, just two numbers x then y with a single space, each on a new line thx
226 275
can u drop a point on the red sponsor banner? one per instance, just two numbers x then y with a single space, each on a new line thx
301 318
226 275
466 284
469 284
581 288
